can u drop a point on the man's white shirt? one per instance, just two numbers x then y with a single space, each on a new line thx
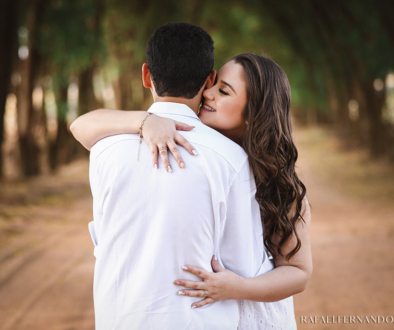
149 223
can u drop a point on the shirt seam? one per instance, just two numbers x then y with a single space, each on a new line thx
233 179
205 146
174 114
95 157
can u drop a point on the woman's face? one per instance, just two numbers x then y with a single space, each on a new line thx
224 102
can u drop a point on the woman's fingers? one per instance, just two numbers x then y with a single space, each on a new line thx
184 143
164 157
197 271
155 155
170 145
191 293
177 154
182 126
196 285
202 303
216 266
196 293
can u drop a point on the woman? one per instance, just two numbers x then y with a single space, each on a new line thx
250 104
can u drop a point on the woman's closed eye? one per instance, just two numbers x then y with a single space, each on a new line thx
223 92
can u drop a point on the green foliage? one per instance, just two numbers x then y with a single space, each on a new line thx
70 35
329 49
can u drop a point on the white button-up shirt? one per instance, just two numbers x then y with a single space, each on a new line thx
148 223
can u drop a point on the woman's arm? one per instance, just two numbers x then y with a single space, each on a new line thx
287 279
93 126
158 131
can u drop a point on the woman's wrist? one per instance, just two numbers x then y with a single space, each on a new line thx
246 289
134 121
238 287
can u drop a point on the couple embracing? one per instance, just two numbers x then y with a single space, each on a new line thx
221 239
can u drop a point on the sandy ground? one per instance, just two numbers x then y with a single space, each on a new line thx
352 241
46 260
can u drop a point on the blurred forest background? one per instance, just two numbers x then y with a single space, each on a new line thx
60 59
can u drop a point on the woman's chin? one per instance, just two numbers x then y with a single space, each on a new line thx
206 122
206 119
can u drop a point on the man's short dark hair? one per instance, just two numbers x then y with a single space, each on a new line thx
180 59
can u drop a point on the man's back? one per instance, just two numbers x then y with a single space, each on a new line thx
149 223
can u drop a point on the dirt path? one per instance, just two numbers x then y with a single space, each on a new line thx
46 264
352 246
46 261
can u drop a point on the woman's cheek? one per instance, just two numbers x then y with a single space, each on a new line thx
231 115
227 121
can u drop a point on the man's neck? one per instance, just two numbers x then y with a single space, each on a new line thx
193 103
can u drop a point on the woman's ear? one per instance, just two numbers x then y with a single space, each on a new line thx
146 78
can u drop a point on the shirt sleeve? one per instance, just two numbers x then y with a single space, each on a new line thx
241 246
93 179
100 188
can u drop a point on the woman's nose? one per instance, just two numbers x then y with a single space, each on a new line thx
208 93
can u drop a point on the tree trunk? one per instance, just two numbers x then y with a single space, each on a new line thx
61 149
8 34
28 149
27 119
125 90
374 102
86 99
86 102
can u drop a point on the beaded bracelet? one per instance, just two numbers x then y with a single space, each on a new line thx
141 136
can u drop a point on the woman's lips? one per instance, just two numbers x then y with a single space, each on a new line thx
208 108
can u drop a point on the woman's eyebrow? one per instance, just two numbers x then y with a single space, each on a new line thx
227 84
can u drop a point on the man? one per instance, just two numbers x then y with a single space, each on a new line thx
148 222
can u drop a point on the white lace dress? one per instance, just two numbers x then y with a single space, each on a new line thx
277 315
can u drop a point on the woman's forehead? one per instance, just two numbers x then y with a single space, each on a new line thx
231 69
232 73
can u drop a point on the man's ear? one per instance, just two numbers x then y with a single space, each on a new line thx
146 78
211 79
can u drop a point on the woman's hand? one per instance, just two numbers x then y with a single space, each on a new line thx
161 134
221 285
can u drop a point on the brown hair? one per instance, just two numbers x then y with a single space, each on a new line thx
272 154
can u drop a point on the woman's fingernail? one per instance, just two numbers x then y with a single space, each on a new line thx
177 283
181 293
216 257
184 268
155 166
182 164
169 169
194 152
193 307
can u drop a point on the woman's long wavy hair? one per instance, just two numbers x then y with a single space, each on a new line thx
271 150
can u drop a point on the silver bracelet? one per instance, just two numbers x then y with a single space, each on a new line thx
141 136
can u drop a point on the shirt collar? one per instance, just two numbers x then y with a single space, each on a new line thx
172 108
